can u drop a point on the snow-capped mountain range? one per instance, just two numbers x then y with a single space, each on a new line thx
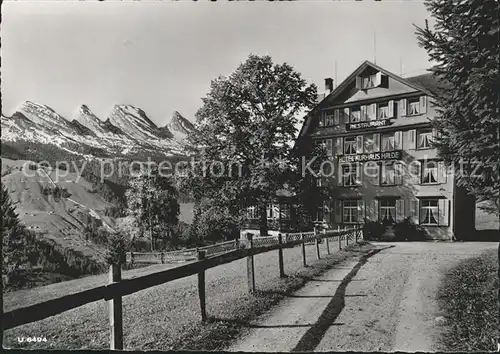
126 130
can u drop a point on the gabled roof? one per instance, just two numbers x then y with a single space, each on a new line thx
426 83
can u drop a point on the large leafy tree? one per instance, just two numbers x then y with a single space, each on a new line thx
464 45
244 133
152 204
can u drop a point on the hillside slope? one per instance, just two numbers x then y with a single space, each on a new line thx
60 216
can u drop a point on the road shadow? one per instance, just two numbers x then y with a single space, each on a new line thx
315 334
254 325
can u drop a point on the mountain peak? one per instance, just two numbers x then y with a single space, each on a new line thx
179 125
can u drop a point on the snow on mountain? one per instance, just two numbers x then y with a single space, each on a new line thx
180 126
127 130
134 122
87 118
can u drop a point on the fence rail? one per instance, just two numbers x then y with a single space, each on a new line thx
223 253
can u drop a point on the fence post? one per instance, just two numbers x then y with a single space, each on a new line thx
303 245
327 242
280 256
347 238
250 265
162 257
132 259
316 241
201 288
340 239
236 243
115 311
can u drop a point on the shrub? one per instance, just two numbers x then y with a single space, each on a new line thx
373 230
407 230
118 245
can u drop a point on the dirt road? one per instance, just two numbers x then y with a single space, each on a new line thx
384 302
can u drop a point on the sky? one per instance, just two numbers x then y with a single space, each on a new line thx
161 56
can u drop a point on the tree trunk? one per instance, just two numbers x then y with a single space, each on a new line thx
263 219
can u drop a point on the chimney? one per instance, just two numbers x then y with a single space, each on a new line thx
328 85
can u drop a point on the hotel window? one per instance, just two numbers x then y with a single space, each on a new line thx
391 173
429 211
350 145
350 211
272 211
326 144
328 119
285 212
429 172
371 142
355 114
392 141
424 139
349 175
383 111
388 142
387 212
252 212
413 106
370 81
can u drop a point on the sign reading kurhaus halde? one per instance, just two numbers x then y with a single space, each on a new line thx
375 156
369 124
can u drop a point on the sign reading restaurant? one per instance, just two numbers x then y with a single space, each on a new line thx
369 124
375 156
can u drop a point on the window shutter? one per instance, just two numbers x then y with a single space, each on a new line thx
412 139
371 211
376 141
398 173
359 83
339 176
414 211
359 144
391 109
400 210
336 116
329 147
398 140
361 211
339 146
378 79
442 172
415 172
402 107
358 173
372 111
423 104
362 113
338 211
444 212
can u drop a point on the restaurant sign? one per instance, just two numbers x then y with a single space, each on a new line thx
375 156
368 125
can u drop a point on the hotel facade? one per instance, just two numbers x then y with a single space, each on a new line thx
376 130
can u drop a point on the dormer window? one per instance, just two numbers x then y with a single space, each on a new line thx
369 81
366 82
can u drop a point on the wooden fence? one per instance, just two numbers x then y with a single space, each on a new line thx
118 287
